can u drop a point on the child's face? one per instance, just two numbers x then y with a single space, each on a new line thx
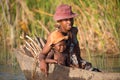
60 46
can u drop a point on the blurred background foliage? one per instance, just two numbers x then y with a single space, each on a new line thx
98 22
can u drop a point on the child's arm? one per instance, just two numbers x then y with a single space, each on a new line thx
50 61
49 58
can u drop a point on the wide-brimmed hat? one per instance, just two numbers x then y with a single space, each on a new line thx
57 37
60 38
63 11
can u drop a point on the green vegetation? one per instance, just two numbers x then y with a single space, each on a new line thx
98 22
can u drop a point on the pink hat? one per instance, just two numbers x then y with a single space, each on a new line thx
63 12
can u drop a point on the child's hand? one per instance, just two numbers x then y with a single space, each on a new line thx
43 67
55 61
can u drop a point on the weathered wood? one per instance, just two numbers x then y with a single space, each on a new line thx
57 72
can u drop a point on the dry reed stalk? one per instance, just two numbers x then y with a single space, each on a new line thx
33 41
47 31
36 45
94 29
28 49
33 46
29 46
42 42
42 12
28 13
38 41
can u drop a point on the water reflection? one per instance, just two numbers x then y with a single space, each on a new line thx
106 63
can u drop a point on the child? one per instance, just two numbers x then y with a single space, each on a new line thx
57 55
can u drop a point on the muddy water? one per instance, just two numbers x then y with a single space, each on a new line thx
8 72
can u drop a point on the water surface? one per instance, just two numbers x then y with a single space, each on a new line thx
106 63
8 72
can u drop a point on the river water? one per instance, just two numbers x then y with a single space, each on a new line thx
8 72
107 64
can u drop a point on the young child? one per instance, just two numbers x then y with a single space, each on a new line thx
57 54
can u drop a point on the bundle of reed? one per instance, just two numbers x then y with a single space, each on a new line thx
32 46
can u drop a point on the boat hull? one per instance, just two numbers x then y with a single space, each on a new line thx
57 72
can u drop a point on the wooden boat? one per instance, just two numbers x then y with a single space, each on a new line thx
57 72
27 57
